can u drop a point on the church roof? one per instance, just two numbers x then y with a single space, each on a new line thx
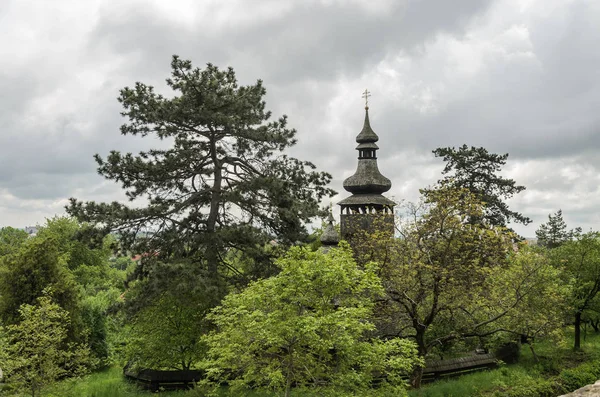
330 236
367 179
367 134
367 199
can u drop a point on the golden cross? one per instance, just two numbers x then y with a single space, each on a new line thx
366 95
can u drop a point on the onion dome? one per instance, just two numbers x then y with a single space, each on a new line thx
367 179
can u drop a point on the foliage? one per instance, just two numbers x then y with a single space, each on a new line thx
439 265
224 183
559 370
99 284
476 170
167 325
36 266
447 279
37 350
529 299
79 276
11 239
307 327
553 233
580 260
98 317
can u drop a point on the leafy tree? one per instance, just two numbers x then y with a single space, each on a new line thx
66 232
169 321
222 184
448 279
11 239
37 349
56 259
476 170
527 299
307 327
437 267
553 233
35 267
580 259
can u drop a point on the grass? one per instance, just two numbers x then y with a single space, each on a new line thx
107 383
525 379
110 383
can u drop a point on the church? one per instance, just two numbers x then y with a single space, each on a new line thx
366 208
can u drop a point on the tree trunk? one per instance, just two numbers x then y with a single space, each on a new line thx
416 377
417 374
288 387
577 331
212 254
288 381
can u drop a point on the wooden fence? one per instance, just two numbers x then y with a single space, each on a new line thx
458 366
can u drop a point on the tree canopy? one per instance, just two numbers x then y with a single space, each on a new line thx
580 261
554 232
308 326
448 279
224 181
476 170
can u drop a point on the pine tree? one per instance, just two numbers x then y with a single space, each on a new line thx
553 233
224 183
477 170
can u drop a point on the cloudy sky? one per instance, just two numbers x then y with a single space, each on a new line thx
514 76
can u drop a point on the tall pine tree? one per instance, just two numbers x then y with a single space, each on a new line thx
476 170
224 183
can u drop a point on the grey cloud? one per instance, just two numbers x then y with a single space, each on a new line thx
309 42
535 98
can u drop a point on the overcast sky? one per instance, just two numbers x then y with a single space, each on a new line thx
514 76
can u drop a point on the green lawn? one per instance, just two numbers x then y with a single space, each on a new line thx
548 378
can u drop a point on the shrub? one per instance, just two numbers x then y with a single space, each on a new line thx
572 379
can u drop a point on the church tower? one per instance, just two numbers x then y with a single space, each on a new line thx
366 208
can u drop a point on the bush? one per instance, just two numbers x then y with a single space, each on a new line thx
534 388
37 352
572 379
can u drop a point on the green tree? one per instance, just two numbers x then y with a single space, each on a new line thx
37 350
476 170
36 266
438 267
11 239
553 233
307 327
449 280
224 183
580 260
169 321
56 259
527 298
